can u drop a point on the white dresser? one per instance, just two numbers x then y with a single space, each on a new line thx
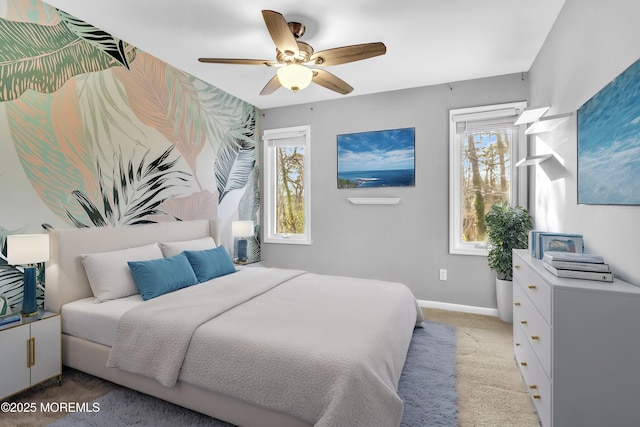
577 345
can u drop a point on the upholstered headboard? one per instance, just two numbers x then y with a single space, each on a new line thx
65 278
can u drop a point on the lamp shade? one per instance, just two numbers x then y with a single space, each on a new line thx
27 248
242 228
294 76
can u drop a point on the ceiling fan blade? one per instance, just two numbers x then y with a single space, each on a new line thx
266 62
342 55
328 80
272 86
280 32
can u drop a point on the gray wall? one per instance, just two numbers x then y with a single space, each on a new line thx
591 43
407 242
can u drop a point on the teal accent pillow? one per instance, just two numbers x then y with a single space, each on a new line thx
160 276
210 263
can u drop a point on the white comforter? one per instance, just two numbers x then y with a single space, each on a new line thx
326 349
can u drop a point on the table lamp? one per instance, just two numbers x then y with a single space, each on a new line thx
242 229
27 250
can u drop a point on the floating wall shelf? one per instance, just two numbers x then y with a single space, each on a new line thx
533 160
374 201
547 124
530 115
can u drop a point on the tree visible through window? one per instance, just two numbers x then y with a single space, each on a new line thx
287 185
484 141
486 178
290 188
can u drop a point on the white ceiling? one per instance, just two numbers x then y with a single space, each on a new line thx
428 41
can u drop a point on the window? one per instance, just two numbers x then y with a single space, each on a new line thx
484 144
287 185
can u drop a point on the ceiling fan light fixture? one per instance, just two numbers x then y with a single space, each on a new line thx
295 76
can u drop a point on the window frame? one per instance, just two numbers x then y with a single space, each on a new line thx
269 138
518 187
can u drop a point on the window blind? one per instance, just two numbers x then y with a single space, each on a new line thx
486 120
285 139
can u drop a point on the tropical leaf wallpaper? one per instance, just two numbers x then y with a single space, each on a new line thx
95 132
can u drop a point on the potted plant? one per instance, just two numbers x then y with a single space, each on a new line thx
508 228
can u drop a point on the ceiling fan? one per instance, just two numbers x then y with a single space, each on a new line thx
294 58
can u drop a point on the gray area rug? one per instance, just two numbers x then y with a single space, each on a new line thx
427 387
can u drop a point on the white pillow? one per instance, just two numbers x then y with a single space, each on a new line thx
109 274
175 248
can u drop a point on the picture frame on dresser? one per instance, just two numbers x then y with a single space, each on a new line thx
560 242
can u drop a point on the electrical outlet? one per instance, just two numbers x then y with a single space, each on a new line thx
443 274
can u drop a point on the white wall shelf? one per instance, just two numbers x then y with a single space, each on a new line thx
374 200
530 115
533 160
547 124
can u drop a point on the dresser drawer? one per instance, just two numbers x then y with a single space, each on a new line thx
536 331
535 379
538 291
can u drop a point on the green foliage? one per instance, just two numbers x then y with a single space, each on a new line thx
345 183
508 229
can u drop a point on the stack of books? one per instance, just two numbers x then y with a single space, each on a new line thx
577 266
9 318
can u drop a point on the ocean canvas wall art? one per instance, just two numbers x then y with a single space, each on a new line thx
384 158
609 143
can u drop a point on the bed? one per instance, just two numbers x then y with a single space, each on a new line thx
257 347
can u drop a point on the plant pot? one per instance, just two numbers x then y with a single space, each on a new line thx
504 294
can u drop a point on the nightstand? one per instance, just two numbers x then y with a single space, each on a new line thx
30 352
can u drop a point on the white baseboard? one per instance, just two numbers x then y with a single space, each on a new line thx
459 307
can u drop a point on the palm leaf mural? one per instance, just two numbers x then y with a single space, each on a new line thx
101 40
236 158
132 194
11 284
51 143
248 209
198 205
187 111
107 119
225 114
44 57
32 11
163 98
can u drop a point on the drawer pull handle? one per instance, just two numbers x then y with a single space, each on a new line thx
536 396
523 322
532 286
535 337
523 363
517 267
517 304
31 352
533 387
517 344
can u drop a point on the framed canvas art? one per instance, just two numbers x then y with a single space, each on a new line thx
383 158
609 143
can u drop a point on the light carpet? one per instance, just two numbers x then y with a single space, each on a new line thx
427 386
491 392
